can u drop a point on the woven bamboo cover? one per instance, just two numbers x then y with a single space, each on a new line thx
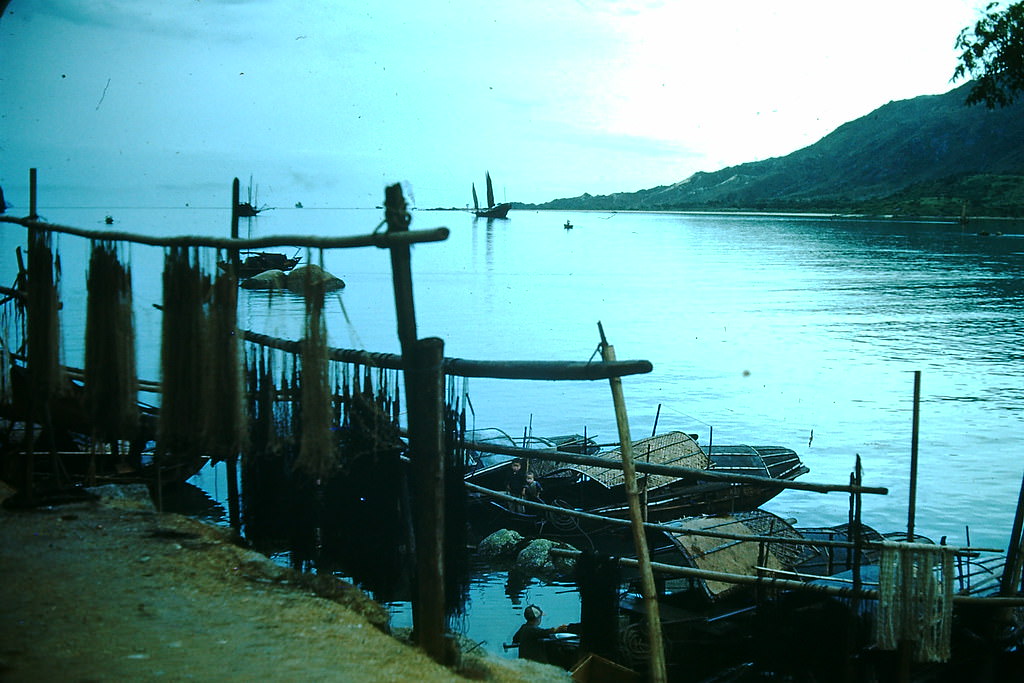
674 448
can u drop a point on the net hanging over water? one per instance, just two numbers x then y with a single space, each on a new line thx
915 600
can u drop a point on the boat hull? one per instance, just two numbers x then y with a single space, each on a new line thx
496 211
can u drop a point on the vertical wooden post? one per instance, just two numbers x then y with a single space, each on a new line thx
424 382
424 390
647 585
398 220
234 256
33 214
234 508
854 536
912 502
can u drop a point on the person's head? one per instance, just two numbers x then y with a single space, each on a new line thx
532 614
516 465
529 477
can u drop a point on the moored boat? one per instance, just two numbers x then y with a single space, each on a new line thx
600 490
492 210
256 262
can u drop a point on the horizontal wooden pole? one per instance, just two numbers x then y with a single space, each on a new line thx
726 535
768 582
671 470
383 240
458 367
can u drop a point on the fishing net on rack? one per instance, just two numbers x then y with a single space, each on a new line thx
186 288
316 450
366 513
44 348
271 510
224 426
915 600
456 522
111 379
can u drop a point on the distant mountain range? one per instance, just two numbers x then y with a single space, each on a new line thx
927 156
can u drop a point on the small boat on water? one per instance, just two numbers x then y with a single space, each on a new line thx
601 490
492 210
568 225
256 262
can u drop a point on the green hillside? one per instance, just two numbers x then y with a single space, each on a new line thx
923 156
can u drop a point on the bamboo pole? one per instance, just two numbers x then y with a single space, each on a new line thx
671 470
912 496
383 240
1012 570
460 367
234 256
33 213
683 531
648 588
790 584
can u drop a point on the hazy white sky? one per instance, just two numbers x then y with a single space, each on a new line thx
142 103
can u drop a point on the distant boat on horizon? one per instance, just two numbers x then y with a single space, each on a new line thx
493 210
248 208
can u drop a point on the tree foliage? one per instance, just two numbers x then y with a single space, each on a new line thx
992 53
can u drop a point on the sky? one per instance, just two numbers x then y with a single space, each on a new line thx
142 103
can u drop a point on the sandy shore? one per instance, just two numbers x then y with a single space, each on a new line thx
114 591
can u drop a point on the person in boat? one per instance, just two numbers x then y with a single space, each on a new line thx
532 488
531 637
516 481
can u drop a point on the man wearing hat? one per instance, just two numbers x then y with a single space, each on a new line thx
530 636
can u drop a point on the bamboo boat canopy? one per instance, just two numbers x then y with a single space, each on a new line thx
671 449
706 552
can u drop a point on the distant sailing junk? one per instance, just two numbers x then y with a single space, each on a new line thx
493 210
250 208
253 262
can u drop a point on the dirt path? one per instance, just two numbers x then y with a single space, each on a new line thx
113 591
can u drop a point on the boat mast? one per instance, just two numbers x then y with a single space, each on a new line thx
490 191
476 204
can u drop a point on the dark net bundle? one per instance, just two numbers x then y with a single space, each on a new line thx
44 364
181 366
456 521
365 523
225 427
111 379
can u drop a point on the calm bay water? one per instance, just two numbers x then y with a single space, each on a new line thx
795 331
